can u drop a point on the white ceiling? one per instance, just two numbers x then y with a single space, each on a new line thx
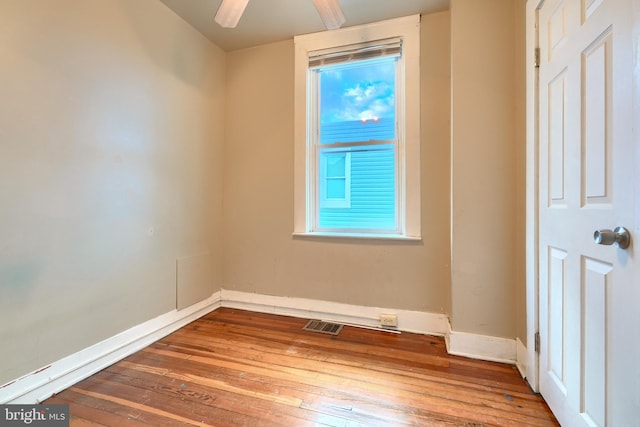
267 21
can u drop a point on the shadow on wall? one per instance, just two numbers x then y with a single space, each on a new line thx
176 52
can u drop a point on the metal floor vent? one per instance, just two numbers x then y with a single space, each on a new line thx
323 327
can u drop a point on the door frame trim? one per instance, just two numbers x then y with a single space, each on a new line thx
532 190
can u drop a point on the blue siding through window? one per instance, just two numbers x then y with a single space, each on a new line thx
356 130
372 177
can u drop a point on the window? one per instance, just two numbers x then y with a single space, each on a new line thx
357 123
335 180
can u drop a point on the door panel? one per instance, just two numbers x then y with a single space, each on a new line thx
557 95
596 170
556 337
596 276
587 181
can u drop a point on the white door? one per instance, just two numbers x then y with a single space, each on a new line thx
589 299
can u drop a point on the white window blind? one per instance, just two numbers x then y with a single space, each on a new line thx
360 52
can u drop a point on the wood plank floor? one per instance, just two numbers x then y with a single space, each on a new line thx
238 368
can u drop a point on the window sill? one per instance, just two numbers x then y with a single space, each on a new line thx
365 236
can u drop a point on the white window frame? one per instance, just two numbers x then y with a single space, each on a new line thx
408 112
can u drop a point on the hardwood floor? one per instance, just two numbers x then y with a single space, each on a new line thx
238 368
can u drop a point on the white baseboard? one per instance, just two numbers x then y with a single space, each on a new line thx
522 357
494 349
408 321
462 344
43 383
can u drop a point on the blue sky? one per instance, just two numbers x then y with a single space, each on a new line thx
358 92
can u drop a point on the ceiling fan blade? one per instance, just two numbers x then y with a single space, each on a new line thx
330 13
229 12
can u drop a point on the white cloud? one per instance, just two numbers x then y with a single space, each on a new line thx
366 102
361 92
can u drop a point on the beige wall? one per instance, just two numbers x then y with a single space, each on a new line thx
260 254
111 117
487 143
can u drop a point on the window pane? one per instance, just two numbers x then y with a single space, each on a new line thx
372 192
335 188
334 180
335 165
357 101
